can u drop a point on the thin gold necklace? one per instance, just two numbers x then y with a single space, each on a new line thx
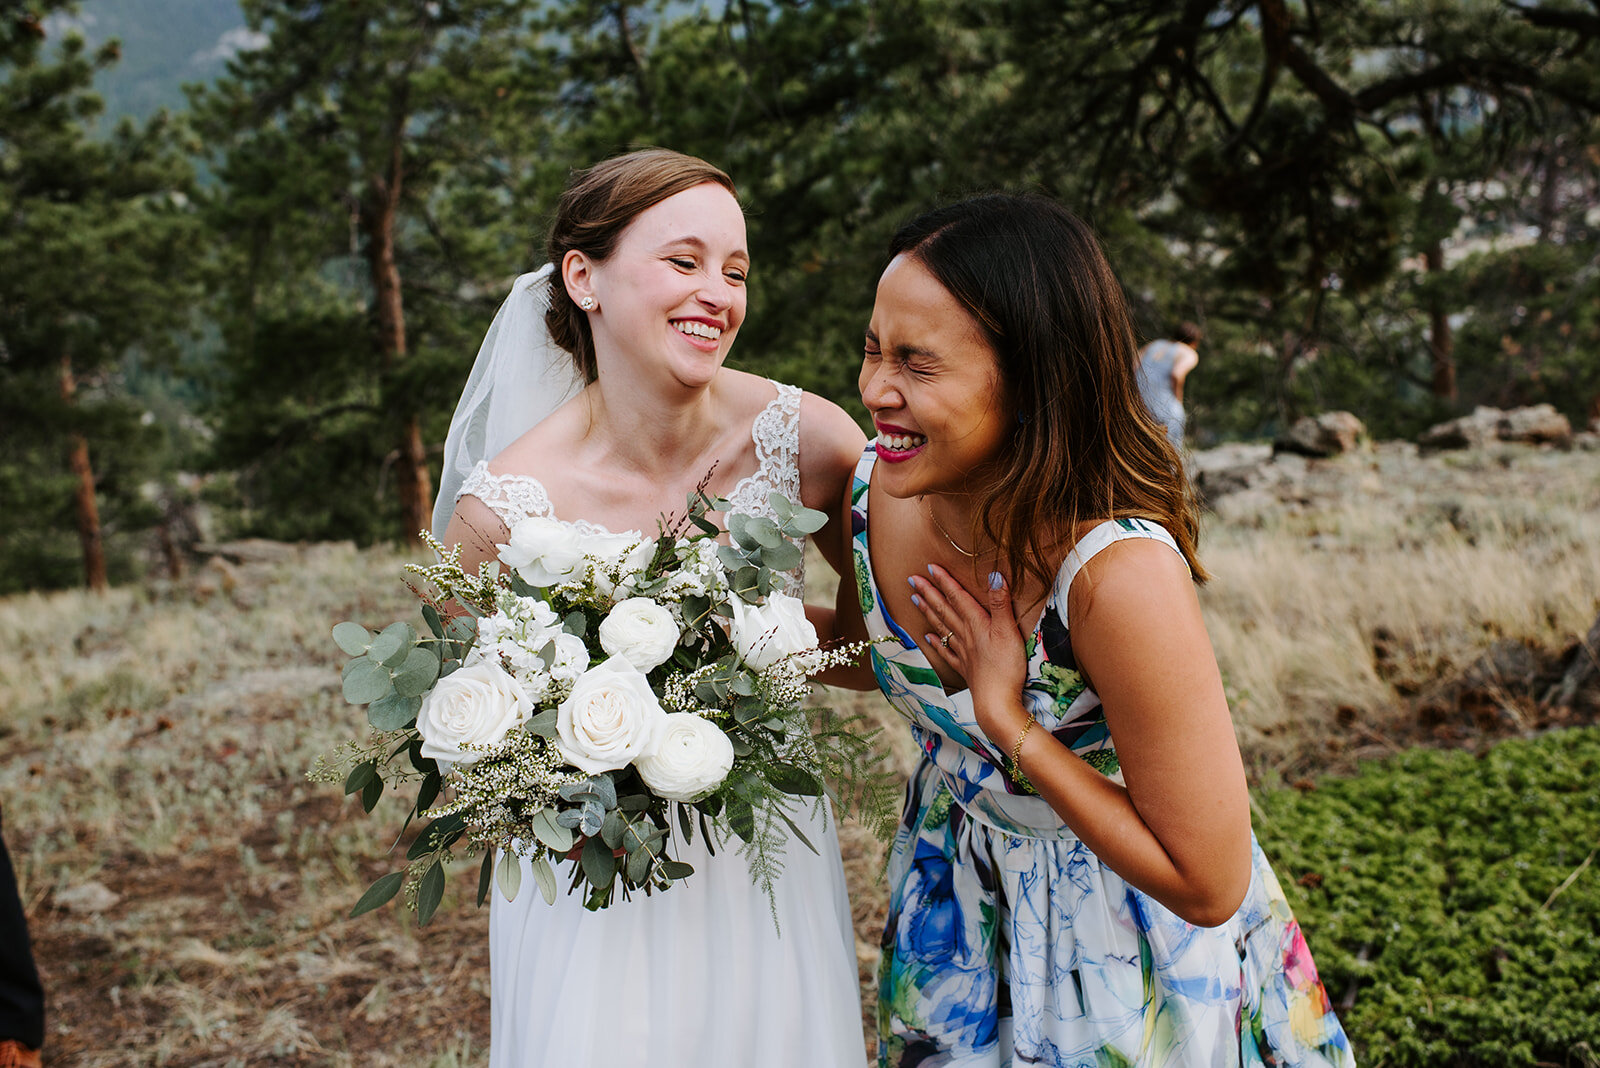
926 507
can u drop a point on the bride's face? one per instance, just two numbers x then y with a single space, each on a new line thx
672 294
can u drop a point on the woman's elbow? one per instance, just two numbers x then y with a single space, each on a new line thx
1216 901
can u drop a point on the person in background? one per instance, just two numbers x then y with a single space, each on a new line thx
1163 366
21 995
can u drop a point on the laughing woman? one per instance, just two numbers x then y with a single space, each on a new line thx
1074 881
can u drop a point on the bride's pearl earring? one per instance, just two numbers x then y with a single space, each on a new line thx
587 304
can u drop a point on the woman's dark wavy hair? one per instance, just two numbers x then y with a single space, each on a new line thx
1084 446
595 209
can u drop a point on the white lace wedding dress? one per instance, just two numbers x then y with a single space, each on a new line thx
696 976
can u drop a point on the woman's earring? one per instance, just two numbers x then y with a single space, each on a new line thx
587 304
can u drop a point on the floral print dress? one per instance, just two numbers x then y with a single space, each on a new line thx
1008 942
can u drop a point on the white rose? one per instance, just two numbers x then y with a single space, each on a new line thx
544 551
691 759
641 632
476 705
765 634
611 718
619 560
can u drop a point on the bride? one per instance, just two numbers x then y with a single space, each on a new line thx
600 398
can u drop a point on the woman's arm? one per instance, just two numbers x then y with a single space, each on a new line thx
830 445
1180 828
475 527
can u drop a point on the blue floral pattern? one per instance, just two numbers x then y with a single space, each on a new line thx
1008 942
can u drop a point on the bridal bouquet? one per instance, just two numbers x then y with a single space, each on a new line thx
558 704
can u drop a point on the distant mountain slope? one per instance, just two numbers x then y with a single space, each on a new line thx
165 45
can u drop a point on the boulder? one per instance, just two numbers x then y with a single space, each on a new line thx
1466 432
1328 434
1537 424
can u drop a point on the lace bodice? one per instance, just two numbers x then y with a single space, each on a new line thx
775 432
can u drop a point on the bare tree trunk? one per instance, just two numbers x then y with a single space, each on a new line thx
86 508
415 483
1441 342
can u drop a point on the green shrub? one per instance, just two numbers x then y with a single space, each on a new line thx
1455 897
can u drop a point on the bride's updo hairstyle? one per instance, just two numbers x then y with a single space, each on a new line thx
1083 445
596 208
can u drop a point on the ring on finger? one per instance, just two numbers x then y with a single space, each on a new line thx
944 643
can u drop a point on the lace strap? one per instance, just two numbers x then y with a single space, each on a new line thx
511 497
776 432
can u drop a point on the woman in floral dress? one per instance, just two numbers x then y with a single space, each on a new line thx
1074 881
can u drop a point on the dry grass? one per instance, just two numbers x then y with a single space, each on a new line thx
154 741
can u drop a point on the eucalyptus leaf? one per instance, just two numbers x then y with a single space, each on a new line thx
696 608
785 556
739 531
365 680
485 876
780 505
353 638
599 866
676 869
543 724
390 645
461 629
638 866
379 893
555 836
805 521
417 672
746 582
544 877
765 532
575 623
730 558
393 712
612 827
430 892
508 874
435 622
743 684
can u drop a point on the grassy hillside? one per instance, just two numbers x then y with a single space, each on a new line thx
188 887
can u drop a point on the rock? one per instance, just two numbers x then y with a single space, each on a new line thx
251 550
1228 468
1588 441
1327 434
1538 424
1469 431
89 898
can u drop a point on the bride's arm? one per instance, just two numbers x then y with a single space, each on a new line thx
830 446
475 527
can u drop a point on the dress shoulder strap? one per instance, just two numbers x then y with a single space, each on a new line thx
1092 543
511 497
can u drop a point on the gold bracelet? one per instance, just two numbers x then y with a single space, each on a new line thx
1018 776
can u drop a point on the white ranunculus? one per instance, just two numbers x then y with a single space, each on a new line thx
641 632
691 759
619 560
610 719
477 705
544 551
765 634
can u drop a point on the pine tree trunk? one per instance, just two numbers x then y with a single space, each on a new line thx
86 509
1441 342
416 484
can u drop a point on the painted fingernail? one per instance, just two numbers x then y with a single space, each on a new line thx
916 600
911 580
930 569
996 580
